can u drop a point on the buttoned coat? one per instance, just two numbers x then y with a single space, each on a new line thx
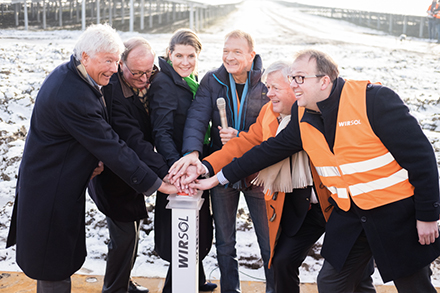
390 229
69 133
129 119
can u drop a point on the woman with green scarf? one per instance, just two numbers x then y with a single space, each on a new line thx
170 95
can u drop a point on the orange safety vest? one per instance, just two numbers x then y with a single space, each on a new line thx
436 15
275 202
360 167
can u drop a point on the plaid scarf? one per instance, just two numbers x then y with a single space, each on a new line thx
141 94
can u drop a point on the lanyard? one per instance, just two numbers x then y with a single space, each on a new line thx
236 102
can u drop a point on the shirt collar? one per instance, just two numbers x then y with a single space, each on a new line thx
126 90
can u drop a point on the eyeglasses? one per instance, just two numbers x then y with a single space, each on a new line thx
299 79
137 74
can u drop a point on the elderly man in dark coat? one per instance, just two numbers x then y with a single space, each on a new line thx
68 136
125 96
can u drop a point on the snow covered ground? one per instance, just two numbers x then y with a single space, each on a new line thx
410 67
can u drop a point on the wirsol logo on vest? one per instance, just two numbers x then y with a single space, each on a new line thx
350 123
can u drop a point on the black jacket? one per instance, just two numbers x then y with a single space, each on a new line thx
214 85
69 133
128 118
170 98
390 229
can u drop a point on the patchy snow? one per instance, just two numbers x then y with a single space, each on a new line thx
410 67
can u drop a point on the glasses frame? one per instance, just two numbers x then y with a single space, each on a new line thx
291 78
148 74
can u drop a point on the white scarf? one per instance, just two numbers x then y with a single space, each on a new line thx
288 174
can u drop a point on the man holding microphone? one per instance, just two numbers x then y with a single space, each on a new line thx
238 82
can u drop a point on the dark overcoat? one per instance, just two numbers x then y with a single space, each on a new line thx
68 135
129 119
170 98
390 229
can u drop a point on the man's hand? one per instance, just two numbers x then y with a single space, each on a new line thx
227 134
98 170
167 188
166 178
176 183
192 173
179 167
185 182
182 182
204 184
189 165
428 232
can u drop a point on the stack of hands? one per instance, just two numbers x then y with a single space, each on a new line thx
184 174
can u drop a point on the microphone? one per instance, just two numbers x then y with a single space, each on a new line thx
221 105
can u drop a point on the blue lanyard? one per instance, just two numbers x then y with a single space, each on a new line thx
238 114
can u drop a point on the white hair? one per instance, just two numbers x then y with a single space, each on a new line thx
282 66
98 38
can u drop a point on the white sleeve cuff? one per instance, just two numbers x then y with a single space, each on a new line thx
221 178
206 174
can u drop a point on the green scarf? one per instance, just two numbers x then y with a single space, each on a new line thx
194 85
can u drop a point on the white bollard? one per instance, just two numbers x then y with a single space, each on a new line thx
185 241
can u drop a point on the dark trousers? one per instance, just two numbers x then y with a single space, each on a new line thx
122 252
432 28
420 281
64 286
167 286
291 251
358 265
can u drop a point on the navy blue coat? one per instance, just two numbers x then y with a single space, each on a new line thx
390 229
214 85
68 135
128 118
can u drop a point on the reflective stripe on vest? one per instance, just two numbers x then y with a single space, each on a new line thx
361 166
